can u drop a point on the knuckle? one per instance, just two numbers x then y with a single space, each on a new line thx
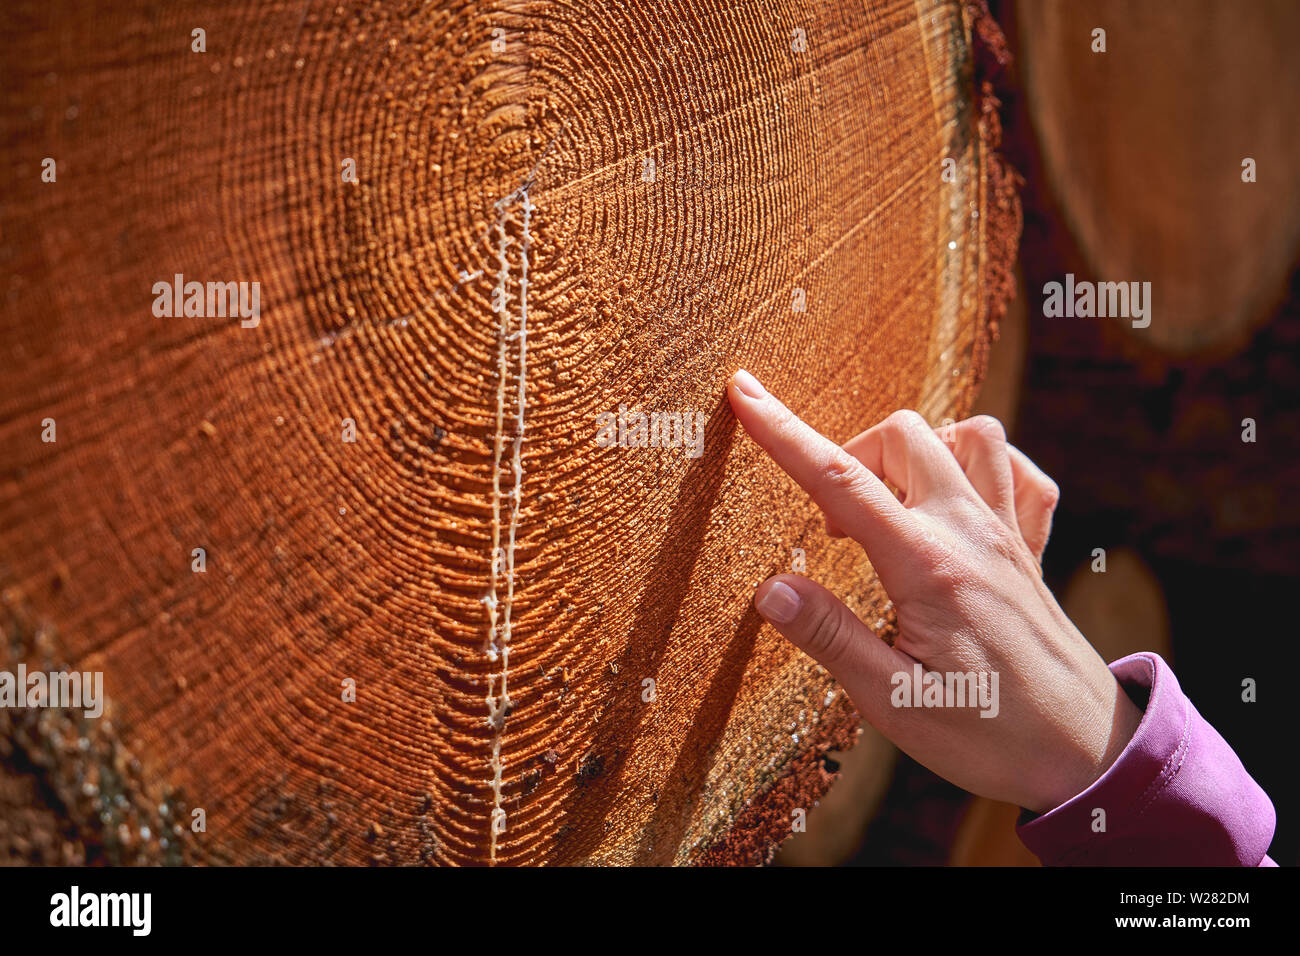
840 472
905 420
1051 495
989 427
827 634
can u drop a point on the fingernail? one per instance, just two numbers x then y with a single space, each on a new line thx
748 385
780 604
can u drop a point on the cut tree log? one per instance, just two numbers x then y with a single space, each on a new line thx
1166 153
363 583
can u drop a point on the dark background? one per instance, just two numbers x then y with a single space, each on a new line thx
1147 451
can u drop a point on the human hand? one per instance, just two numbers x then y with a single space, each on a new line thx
959 557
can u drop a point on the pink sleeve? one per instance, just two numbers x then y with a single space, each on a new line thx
1177 796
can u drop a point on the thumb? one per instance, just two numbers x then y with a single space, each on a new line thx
818 623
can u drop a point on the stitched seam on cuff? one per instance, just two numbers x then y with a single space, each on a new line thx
1172 765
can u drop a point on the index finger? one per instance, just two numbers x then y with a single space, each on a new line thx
852 497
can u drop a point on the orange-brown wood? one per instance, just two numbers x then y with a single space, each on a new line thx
671 181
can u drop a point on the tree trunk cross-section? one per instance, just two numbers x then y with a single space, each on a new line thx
557 210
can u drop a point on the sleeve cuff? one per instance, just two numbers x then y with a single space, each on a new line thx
1177 796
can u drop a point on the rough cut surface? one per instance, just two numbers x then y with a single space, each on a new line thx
642 188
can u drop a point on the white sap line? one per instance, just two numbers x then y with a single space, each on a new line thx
498 703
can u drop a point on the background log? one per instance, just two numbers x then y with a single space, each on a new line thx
1143 146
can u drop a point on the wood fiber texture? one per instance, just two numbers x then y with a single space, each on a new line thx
643 186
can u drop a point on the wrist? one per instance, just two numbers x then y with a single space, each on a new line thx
1099 751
